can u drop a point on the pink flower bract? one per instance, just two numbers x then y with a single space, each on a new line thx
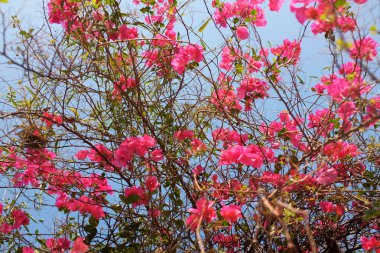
242 32
231 213
204 211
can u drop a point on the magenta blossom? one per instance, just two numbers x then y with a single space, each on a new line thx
231 213
204 211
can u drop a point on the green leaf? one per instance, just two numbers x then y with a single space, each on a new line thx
239 68
4 1
371 214
203 45
90 229
42 242
131 199
22 32
93 221
300 80
74 110
204 25
340 3
373 29
109 2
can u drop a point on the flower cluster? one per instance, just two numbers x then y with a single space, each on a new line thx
288 52
225 99
136 195
135 146
50 119
185 55
364 49
231 213
229 137
328 15
242 9
123 84
286 129
251 155
19 218
329 207
321 120
340 150
251 89
203 212
371 243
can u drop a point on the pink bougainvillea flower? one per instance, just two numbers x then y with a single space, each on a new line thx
135 145
351 86
227 58
20 218
82 154
198 170
229 241
346 109
121 86
370 244
184 134
339 209
204 211
126 33
364 49
242 32
154 213
50 119
289 52
346 24
98 15
85 205
151 183
275 5
299 7
373 108
79 246
197 146
340 150
320 26
27 250
242 9
61 11
272 178
185 55
231 213
231 155
156 155
100 153
229 136
251 155
321 120
326 175
5 228
226 99
136 195
57 245
327 206
251 89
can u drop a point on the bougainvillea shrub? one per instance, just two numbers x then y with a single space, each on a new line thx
175 126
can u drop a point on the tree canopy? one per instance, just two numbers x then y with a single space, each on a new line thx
174 126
